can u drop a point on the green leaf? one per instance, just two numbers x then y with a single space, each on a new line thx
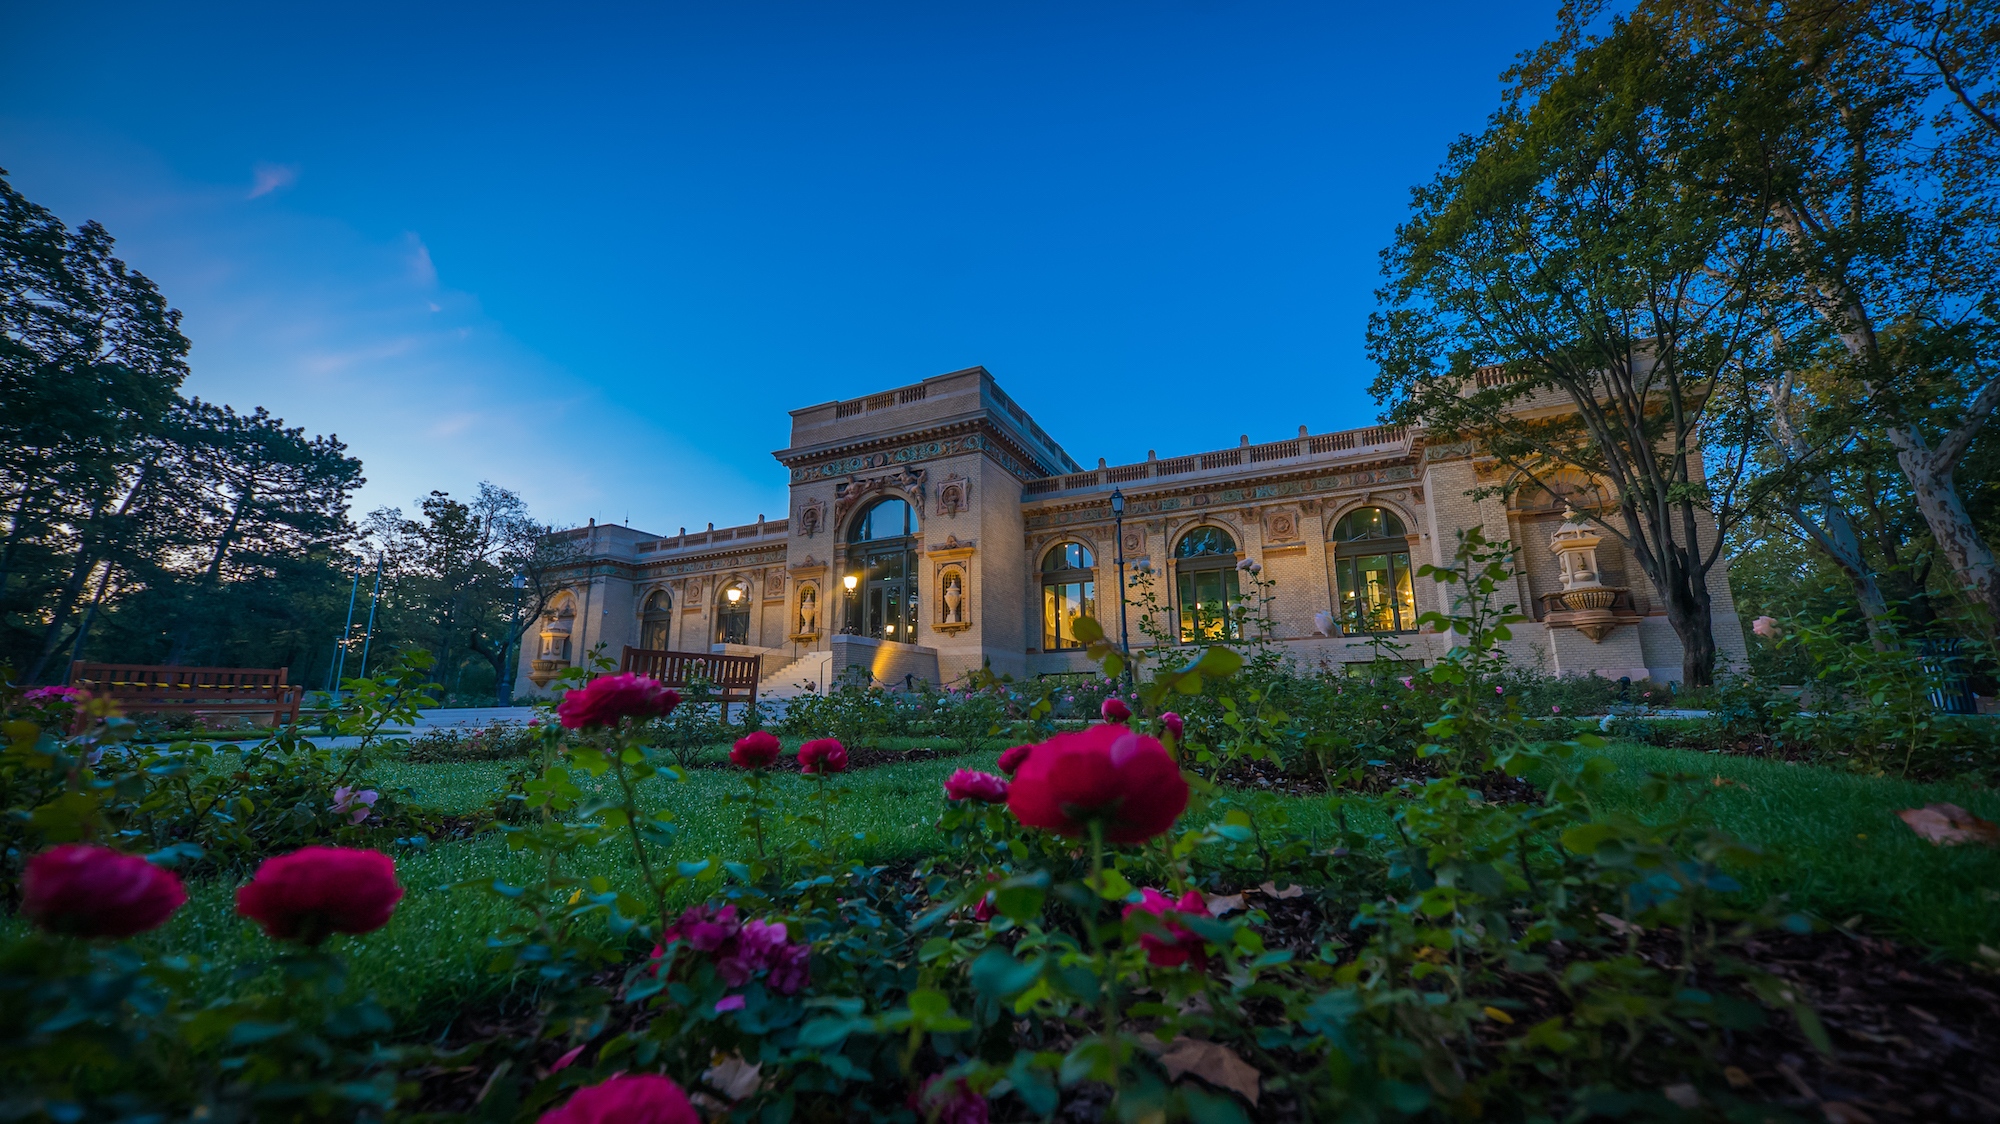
1086 630
997 974
1204 1107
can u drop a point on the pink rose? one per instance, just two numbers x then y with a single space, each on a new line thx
823 755
1175 726
1107 773
982 787
88 891
1115 710
1011 759
606 700
754 750
629 1098
1177 945
345 798
1766 627
314 892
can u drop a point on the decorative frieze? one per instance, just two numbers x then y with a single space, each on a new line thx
1101 512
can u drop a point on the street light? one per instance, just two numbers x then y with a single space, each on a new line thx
734 593
1118 529
850 581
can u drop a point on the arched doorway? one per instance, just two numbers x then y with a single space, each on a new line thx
881 557
732 613
1371 572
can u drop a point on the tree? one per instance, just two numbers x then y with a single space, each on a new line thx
91 359
1577 292
451 575
1887 215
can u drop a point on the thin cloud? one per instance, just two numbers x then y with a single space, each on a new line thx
267 178
422 269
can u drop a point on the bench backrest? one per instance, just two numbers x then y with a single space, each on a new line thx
730 675
124 680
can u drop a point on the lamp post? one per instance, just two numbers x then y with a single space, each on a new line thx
850 581
368 637
1118 529
507 669
347 630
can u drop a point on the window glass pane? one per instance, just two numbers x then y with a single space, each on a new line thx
889 519
1062 604
1066 556
1367 523
1375 593
1206 601
1205 541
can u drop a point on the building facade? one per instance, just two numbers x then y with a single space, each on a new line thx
936 528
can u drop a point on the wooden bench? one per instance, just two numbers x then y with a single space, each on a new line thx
234 691
732 678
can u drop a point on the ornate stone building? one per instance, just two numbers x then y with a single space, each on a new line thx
936 528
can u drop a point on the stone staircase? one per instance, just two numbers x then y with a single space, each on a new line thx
789 682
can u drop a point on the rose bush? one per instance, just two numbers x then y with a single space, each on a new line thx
634 1098
609 699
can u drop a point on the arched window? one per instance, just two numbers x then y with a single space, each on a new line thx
1069 591
1205 569
1371 572
656 621
732 613
882 559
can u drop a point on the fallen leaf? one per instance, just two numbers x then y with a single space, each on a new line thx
1214 1063
1682 1095
1737 1078
1292 891
1219 904
1621 926
1498 1016
733 1077
1948 825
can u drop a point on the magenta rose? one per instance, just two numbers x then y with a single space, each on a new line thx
629 1098
754 750
314 892
1115 710
1106 774
823 755
982 787
1175 726
86 891
607 699
1176 946
1011 759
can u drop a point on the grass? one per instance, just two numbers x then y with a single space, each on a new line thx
1834 843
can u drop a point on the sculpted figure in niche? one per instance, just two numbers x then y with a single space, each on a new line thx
809 611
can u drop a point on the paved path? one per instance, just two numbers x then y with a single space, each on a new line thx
471 717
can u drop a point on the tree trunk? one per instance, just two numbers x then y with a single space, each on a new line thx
1964 550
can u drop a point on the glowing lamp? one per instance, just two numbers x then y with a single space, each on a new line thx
734 594
850 581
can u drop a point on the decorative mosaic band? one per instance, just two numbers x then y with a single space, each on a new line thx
1099 512
913 454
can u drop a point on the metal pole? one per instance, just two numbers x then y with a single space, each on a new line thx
373 597
509 671
1118 525
347 630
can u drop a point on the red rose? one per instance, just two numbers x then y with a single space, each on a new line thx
87 891
1175 946
317 891
754 750
629 1098
1174 726
968 785
1115 710
1107 773
1012 758
823 755
603 701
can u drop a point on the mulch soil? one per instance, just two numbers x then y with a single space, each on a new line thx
1415 772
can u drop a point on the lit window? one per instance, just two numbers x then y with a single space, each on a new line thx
1069 591
1371 572
883 603
1205 569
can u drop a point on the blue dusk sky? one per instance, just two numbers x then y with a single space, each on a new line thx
594 253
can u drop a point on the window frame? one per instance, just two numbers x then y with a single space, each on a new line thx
1188 572
1395 549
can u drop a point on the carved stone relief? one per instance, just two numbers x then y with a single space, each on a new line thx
954 495
812 517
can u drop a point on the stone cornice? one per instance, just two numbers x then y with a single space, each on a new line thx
951 437
1255 488
1193 497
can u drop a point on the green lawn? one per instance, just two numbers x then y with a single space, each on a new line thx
1812 821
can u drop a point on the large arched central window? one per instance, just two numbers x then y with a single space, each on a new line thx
1205 570
657 620
1069 591
732 613
1371 568
881 556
